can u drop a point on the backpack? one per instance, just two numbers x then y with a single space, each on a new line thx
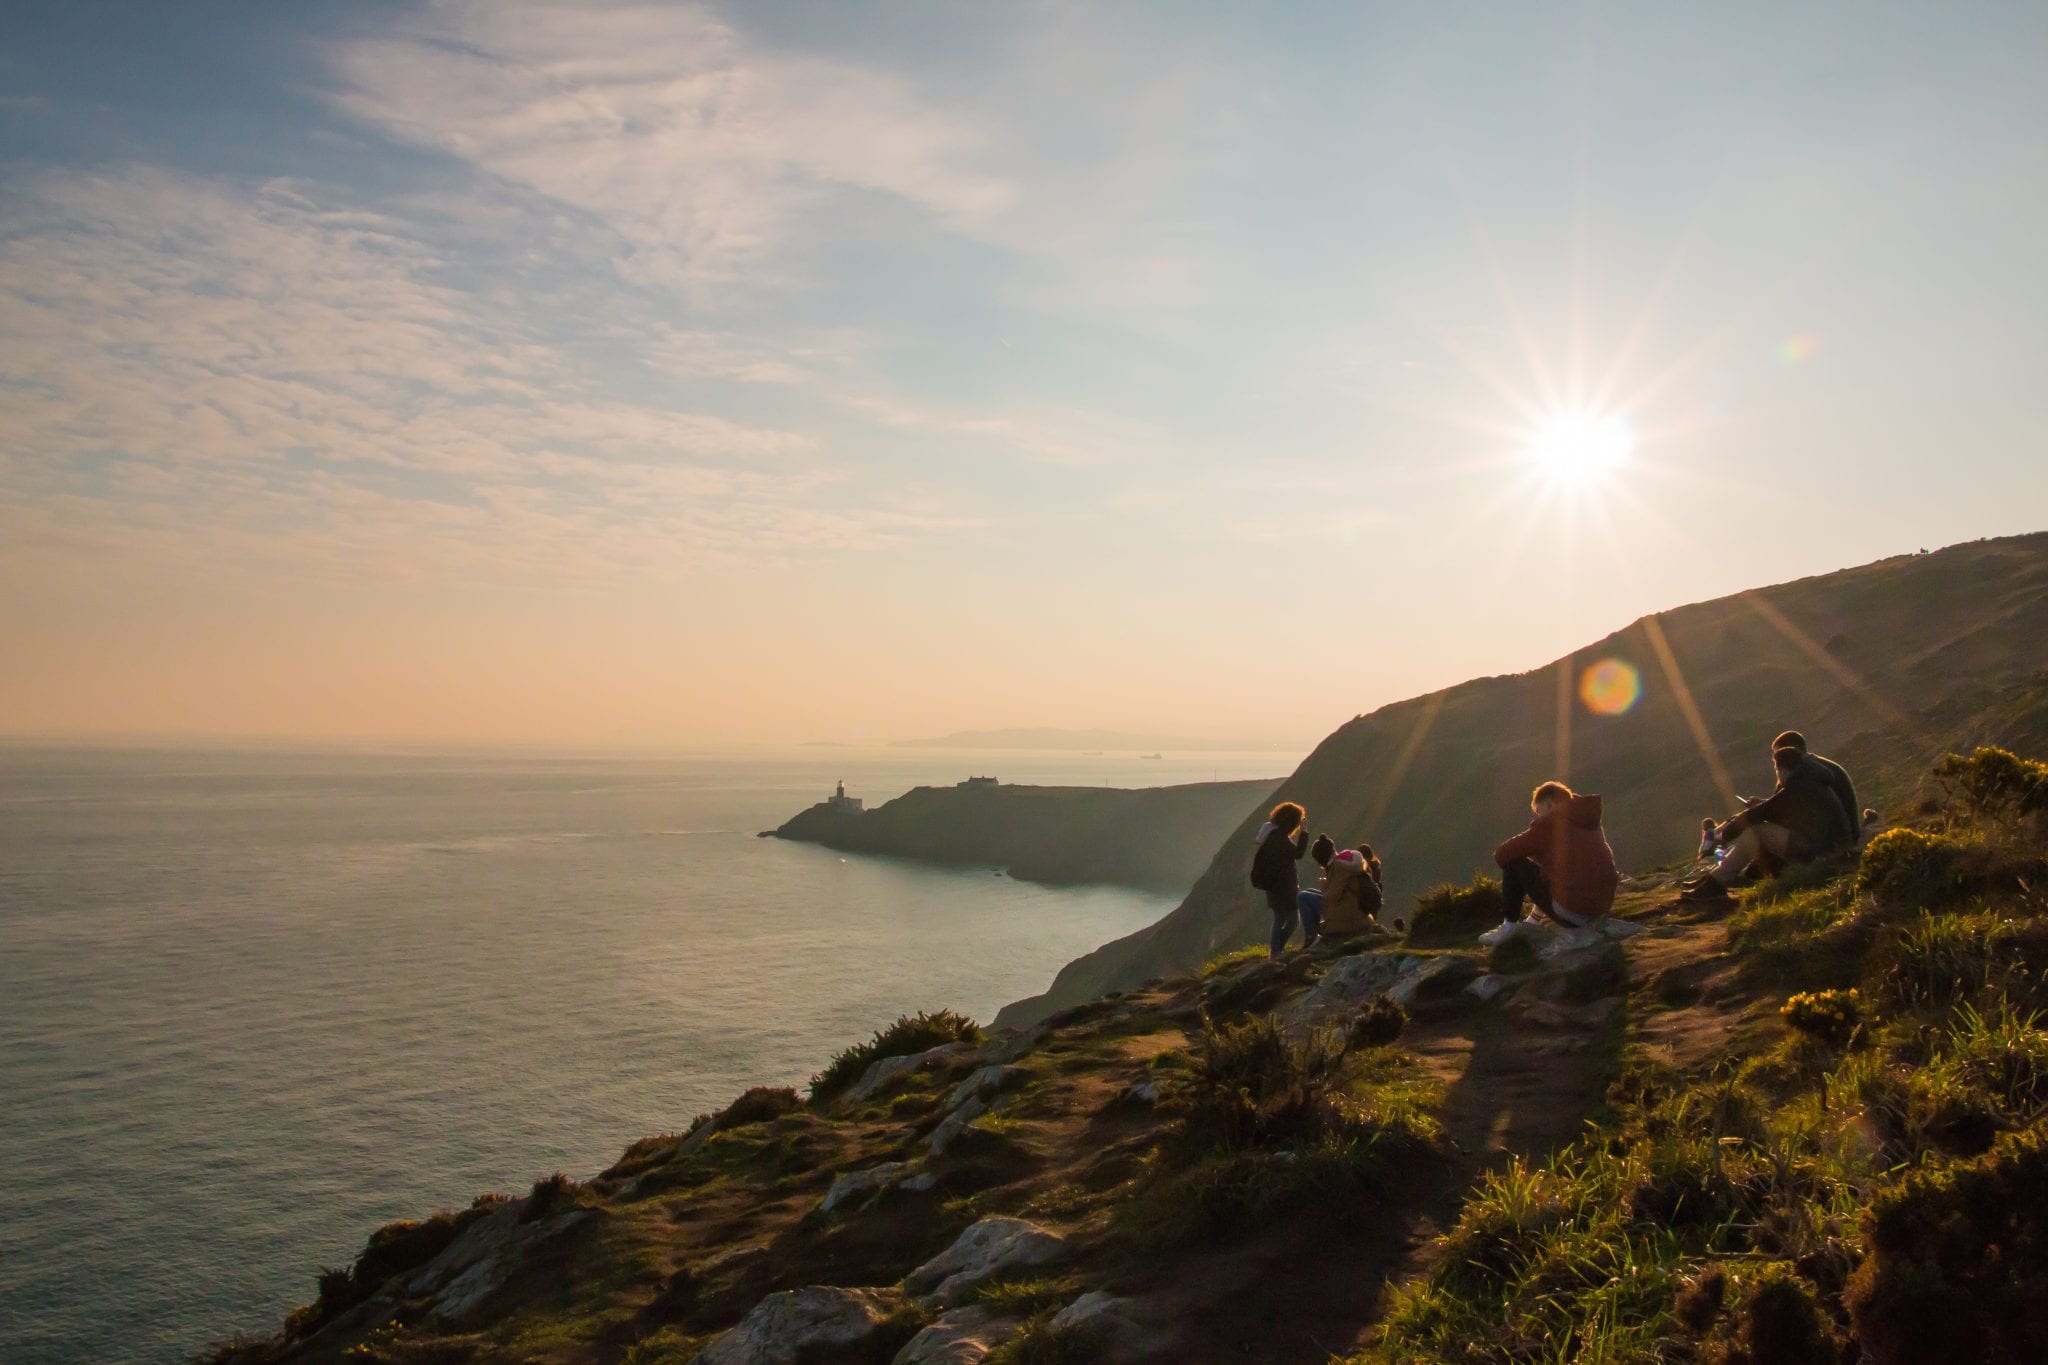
1262 874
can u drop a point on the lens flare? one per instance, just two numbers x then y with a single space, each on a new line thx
1610 687
1794 349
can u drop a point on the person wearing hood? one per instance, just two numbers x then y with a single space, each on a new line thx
1281 842
1348 901
1562 864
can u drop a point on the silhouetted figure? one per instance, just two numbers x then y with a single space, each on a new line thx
1561 864
1281 842
1832 773
1804 818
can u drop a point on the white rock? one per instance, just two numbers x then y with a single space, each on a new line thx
802 1323
864 1183
921 1182
888 1069
1619 928
993 1246
1095 1317
1413 979
963 1336
1569 941
486 1276
1485 987
948 1132
984 1083
1349 984
1141 1092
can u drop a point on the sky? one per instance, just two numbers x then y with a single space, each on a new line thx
697 375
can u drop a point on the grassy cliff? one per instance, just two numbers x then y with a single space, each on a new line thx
1151 838
1810 1125
1883 667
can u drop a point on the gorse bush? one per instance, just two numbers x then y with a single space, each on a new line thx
1451 914
1958 1263
1909 867
1831 1016
1251 1085
1996 786
909 1035
760 1104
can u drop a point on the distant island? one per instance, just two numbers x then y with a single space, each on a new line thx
1150 838
1085 741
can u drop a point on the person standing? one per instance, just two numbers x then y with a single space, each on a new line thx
1281 842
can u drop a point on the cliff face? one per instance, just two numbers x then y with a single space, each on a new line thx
1154 838
1882 667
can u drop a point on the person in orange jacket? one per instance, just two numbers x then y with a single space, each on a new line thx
1562 864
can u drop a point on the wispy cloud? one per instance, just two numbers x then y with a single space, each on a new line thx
279 370
701 153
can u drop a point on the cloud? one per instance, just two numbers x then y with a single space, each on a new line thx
266 377
703 154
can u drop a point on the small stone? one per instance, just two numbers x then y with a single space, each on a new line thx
1619 928
863 1184
1096 1318
985 1083
993 1246
1485 987
1140 1092
803 1324
963 1336
949 1130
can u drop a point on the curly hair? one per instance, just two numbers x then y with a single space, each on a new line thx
1288 815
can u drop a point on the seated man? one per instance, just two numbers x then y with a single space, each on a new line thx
1562 863
1802 819
1348 901
1830 772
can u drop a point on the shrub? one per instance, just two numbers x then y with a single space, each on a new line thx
549 1195
1958 1263
909 1035
1378 1025
1994 785
1781 1324
759 1105
1908 867
1451 914
1250 1085
1831 1016
2006 1053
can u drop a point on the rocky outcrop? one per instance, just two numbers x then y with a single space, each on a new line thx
804 1324
887 1069
991 1247
479 1262
1056 835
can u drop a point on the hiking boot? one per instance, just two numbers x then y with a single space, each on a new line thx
1501 933
1705 889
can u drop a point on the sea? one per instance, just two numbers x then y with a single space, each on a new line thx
256 1003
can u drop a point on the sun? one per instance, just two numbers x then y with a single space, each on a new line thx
1578 447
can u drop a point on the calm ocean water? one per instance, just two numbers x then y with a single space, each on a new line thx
254 1005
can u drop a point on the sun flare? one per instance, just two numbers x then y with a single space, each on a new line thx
1576 447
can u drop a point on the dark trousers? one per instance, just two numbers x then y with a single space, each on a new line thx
1520 880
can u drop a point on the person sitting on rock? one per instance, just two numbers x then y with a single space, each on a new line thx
1562 864
1348 901
1281 842
1830 772
1802 820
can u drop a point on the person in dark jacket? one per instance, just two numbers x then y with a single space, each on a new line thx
1562 864
1830 772
1282 840
1803 819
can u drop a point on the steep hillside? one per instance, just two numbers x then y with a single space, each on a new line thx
1152 838
1882 666
1809 1125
